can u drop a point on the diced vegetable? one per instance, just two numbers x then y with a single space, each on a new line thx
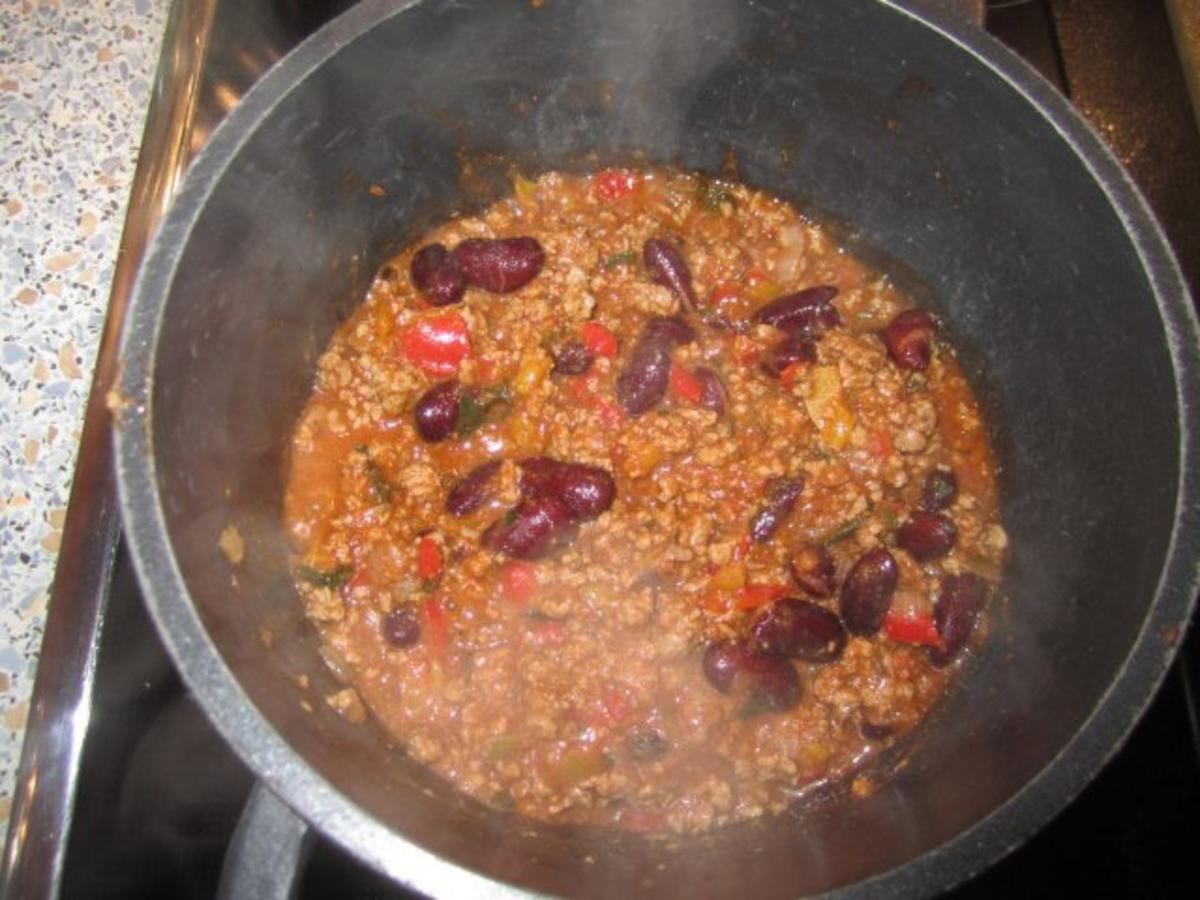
535 366
429 559
476 407
332 578
518 581
624 258
915 630
436 344
828 408
380 487
712 193
524 189
612 184
752 596
791 374
683 385
580 764
598 339
728 577
845 529
436 629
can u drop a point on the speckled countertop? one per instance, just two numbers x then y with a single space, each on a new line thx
75 80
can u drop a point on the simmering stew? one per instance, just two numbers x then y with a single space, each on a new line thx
635 500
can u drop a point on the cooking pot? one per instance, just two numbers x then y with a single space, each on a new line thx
926 146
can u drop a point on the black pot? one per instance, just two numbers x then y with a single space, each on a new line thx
925 144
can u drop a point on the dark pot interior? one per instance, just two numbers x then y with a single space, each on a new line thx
865 117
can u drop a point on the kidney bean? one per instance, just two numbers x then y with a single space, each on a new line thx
643 381
807 313
782 494
471 490
501 265
587 491
400 628
770 683
867 591
773 684
573 358
941 487
713 395
799 629
437 276
436 412
926 535
531 529
909 339
790 350
667 267
647 743
672 331
721 662
814 570
955 612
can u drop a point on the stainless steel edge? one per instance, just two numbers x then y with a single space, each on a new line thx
60 707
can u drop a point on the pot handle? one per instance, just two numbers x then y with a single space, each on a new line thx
268 851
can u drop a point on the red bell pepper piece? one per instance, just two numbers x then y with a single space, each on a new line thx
683 385
436 344
612 184
915 630
755 595
518 581
429 559
598 339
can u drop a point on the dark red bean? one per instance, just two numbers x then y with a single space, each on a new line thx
471 490
955 613
587 491
667 267
814 570
436 412
573 358
807 313
790 350
941 487
722 660
867 591
501 265
773 684
647 743
909 339
782 494
672 331
713 395
927 535
400 628
643 381
437 276
769 683
530 530
799 629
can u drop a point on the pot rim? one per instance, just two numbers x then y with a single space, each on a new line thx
316 800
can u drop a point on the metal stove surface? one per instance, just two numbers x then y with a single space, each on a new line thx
152 795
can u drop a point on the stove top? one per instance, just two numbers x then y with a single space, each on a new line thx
139 796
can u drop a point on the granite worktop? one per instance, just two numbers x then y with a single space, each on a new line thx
75 82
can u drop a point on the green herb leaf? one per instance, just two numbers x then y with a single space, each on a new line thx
475 408
383 491
846 529
712 193
334 578
624 258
